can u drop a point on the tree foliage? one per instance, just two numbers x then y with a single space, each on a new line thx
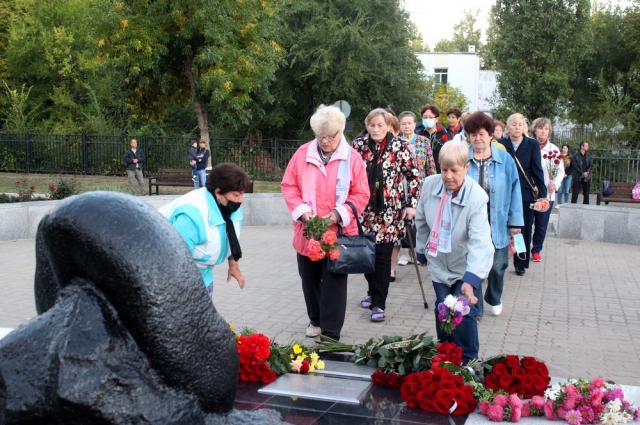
443 96
465 34
356 50
538 45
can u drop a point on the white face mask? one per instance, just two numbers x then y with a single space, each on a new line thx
429 122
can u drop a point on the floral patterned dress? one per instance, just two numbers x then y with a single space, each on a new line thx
397 163
419 145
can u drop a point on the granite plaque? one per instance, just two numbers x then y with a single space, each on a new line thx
315 387
346 370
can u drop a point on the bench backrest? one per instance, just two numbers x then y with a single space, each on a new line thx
174 172
622 189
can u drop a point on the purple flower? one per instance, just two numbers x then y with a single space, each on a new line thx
615 393
443 309
463 300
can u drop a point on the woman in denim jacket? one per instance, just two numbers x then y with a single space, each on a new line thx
496 172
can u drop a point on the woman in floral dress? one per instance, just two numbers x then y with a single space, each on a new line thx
388 160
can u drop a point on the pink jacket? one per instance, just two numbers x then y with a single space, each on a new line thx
298 177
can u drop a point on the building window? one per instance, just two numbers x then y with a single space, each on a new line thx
440 75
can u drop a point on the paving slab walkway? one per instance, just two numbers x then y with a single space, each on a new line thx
577 310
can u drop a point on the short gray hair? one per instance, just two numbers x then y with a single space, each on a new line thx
327 120
454 153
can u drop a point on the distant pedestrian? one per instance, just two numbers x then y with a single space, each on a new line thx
565 186
434 132
582 164
134 160
455 126
192 159
202 155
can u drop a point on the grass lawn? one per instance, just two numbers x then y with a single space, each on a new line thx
88 183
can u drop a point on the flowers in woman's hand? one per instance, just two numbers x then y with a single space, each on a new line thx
322 241
553 162
451 312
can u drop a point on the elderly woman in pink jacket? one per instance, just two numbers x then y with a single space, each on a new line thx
322 177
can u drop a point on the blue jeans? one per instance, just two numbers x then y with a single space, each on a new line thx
541 222
564 189
466 333
202 179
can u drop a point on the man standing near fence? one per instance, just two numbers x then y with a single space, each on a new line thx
134 160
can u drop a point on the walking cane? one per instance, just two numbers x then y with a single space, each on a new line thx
412 251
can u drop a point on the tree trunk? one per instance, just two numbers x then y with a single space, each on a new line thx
200 108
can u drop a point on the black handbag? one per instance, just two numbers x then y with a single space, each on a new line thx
357 253
606 188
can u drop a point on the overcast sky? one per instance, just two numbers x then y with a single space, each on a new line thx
435 19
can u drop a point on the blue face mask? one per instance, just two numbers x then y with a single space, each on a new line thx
518 242
429 122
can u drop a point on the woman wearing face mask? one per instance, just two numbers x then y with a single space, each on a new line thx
526 153
388 161
434 132
324 178
209 221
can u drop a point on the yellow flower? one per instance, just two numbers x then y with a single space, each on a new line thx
311 368
291 356
233 328
304 356
314 357
300 358
297 349
320 365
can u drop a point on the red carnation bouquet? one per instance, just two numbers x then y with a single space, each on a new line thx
553 162
438 390
322 241
524 376
254 351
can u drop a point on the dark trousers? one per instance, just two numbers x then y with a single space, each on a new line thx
575 189
540 223
465 335
379 280
528 216
325 295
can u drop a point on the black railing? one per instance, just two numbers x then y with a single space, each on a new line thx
104 155
264 159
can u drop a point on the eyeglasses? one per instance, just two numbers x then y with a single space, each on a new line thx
329 138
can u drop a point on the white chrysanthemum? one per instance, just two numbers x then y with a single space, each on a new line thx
552 392
625 417
615 405
450 301
609 418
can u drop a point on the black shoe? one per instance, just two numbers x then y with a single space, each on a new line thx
392 279
520 271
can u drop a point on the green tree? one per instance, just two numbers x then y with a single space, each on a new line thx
212 54
353 50
538 45
444 97
611 69
417 40
465 34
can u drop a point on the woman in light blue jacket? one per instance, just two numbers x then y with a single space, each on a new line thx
496 172
454 233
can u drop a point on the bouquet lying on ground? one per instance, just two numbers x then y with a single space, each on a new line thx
451 311
524 376
322 241
262 360
438 390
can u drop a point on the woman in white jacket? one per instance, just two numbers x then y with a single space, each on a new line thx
453 232
541 129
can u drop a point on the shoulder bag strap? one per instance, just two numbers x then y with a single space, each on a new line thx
523 173
355 215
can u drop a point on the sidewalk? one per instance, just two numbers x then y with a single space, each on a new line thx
577 310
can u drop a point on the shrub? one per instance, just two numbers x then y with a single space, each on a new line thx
63 189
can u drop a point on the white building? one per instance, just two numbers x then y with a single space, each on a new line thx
462 71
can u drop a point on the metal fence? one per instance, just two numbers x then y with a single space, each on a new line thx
264 159
104 155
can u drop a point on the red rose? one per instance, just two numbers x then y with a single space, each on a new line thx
499 369
262 368
32 187
269 377
542 369
442 406
529 363
305 366
445 137
427 405
512 361
448 385
505 381
437 359
527 382
540 383
518 372
491 382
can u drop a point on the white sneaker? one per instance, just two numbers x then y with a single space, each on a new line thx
496 310
403 262
313 331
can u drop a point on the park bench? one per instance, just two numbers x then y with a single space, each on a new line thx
620 192
181 177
